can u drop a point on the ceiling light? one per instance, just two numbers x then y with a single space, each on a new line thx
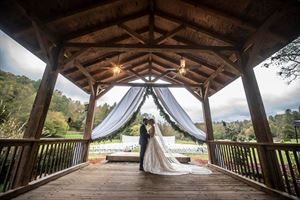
182 62
182 71
117 70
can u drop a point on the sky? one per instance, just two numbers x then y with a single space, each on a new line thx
229 104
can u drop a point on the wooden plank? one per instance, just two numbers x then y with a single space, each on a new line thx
133 33
101 26
84 71
169 34
208 126
196 27
134 157
150 48
150 84
236 20
99 182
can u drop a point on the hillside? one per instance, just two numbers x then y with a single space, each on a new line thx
18 92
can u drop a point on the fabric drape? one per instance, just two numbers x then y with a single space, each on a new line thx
179 115
120 114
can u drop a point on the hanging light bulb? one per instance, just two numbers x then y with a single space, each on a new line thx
182 71
182 62
117 70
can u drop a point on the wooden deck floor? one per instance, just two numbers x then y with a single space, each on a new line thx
124 181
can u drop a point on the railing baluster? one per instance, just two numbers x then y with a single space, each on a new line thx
251 163
5 184
292 173
284 172
43 161
40 155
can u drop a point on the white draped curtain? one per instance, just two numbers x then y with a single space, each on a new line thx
120 114
179 115
129 104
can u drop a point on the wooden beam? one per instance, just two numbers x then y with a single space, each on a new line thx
214 75
234 67
169 34
269 162
103 92
195 94
107 75
42 42
149 84
190 72
32 18
229 17
101 26
208 126
133 33
82 11
137 74
161 75
193 58
151 48
151 21
121 38
255 42
197 27
84 71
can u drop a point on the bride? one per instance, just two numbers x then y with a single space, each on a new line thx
159 160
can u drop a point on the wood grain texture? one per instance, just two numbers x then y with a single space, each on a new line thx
125 181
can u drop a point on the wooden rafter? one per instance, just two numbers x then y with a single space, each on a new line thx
151 48
84 71
71 14
169 34
101 26
127 61
255 41
152 85
110 41
137 74
233 66
133 33
236 20
193 58
174 62
196 27
151 21
161 75
214 75
29 14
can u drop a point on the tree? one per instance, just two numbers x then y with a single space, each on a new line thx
288 61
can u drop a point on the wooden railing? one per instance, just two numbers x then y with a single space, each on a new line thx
51 155
245 159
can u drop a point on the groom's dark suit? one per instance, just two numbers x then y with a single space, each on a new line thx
143 142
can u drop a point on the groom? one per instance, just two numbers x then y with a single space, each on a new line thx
143 141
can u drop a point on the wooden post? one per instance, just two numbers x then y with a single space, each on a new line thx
269 163
89 121
209 128
37 119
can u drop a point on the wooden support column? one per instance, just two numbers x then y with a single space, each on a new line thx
90 119
208 126
268 159
37 119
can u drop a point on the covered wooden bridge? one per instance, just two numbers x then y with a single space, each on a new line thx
199 45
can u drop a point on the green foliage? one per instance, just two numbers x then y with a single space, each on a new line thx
18 93
9 126
55 124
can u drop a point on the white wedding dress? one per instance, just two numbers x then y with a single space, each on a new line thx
158 159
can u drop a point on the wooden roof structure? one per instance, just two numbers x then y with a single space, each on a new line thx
151 36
